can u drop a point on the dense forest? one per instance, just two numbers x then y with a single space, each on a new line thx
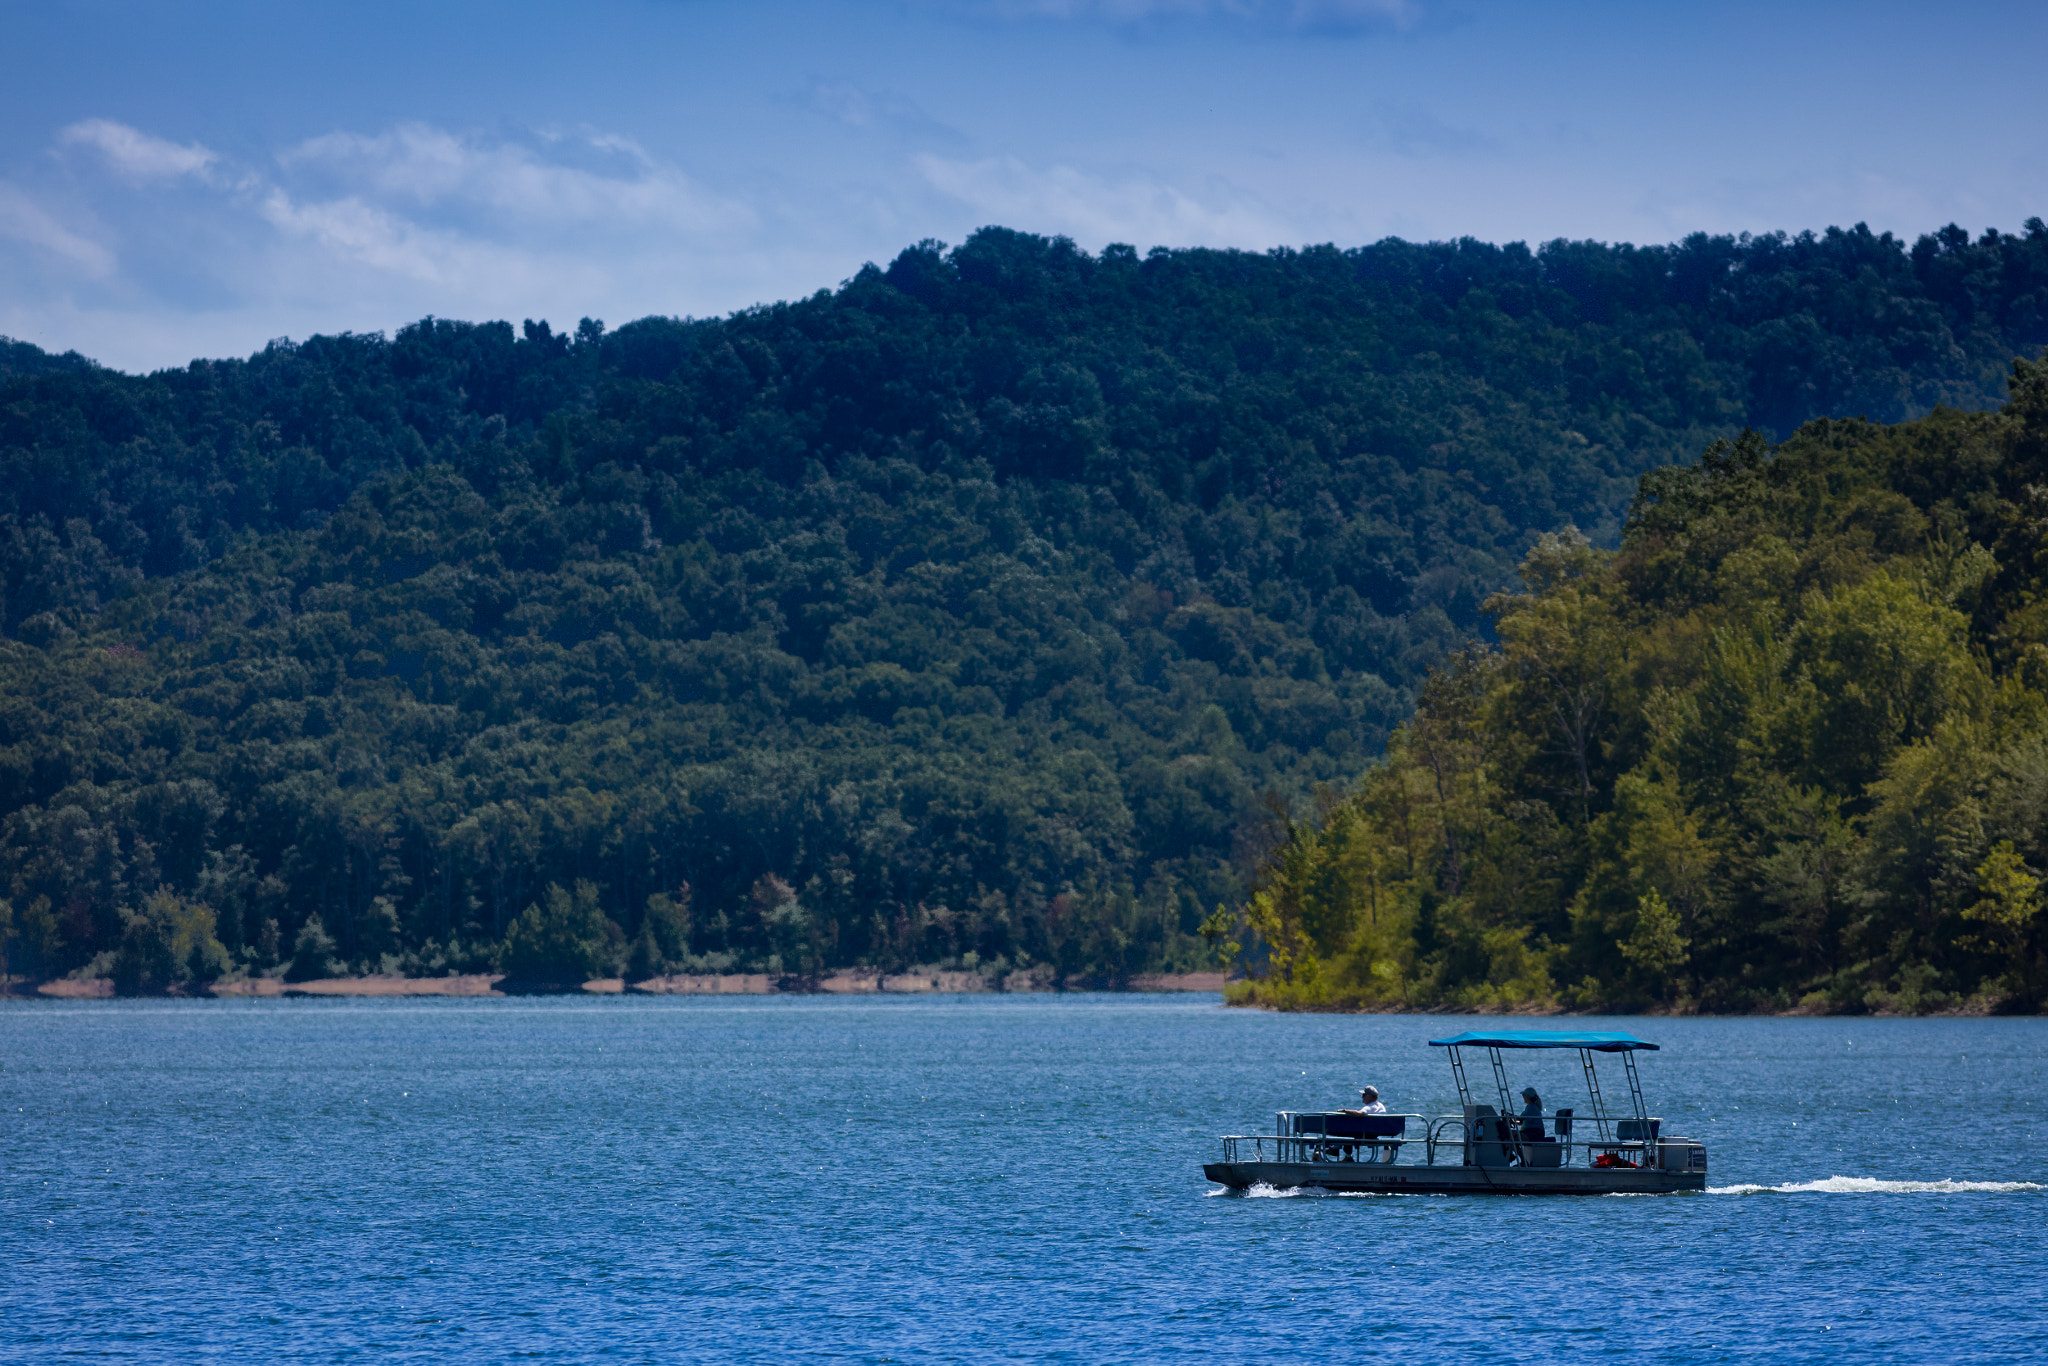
979 612
1787 748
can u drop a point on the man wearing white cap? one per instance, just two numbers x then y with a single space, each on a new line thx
1368 1103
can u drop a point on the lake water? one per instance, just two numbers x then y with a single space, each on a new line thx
952 1179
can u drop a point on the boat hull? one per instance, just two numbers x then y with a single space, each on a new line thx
1422 1180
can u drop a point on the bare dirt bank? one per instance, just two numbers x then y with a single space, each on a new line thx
846 982
1181 981
474 984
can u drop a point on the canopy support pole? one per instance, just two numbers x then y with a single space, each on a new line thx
1635 1086
1593 1090
1458 1075
1500 1079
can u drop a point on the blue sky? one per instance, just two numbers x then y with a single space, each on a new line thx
184 180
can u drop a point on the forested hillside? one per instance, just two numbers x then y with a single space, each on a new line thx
968 609
1787 748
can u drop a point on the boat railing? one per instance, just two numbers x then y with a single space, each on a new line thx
1316 1148
1626 1139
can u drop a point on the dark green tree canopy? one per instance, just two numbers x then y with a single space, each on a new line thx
976 602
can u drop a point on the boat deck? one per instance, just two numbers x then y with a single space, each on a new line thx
1422 1179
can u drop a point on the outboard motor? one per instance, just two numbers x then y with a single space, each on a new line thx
1682 1155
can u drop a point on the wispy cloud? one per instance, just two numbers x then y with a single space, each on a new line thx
431 168
1098 211
137 155
415 202
23 219
455 266
362 232
364 229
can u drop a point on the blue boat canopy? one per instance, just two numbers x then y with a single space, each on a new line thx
1546 1038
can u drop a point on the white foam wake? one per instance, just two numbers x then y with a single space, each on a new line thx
1870 1185
1261 1191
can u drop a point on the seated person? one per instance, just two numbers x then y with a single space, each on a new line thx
1368 1103
1532 1116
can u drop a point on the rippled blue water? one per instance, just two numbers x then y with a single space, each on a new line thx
934 1179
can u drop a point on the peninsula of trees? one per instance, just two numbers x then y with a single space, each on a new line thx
983 611
1786 749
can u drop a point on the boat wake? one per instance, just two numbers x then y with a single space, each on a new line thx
1261 1191
1870 1185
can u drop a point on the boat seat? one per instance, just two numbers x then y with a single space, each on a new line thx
1339 1125
1367 1126
1354 1138
1633 1136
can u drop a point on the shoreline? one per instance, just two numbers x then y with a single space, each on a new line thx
844 982
866 982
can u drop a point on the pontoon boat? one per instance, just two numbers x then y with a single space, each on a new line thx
1484 1150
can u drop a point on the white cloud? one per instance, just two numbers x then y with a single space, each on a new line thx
136 154
457 270
24 220
431 168
1096 211
362 232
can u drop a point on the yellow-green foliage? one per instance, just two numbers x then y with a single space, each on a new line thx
170 941
1786 748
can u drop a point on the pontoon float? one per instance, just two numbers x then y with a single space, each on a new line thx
1484 1150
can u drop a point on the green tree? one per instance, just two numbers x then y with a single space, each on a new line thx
564 939
2010 898
143 964
1883 666
663 944
1562 646
38 942
313 953
788 926
1806 877
1654 947
170 941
